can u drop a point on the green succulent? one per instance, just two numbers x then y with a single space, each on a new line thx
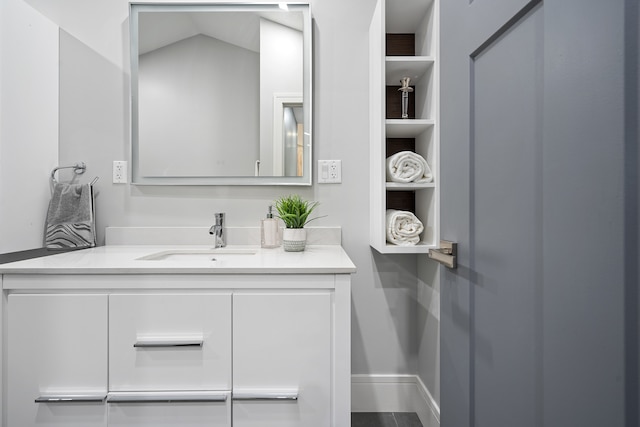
295 211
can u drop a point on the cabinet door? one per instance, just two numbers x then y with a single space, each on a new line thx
281 350
163 342
56 353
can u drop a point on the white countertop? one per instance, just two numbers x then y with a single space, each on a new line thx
121 259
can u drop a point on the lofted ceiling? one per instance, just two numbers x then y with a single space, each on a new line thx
158 29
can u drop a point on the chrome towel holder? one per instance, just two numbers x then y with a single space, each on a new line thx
79 168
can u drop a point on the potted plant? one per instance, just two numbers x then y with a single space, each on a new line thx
294 211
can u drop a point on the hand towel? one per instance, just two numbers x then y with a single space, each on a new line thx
407 166
403 228
71 217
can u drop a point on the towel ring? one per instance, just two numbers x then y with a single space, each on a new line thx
78 168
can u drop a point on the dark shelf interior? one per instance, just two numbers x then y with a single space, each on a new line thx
401 200
401 45
393 101
395 145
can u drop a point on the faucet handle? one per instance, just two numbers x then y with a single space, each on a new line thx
219 217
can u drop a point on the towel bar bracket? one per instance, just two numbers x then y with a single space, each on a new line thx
78 168
446 255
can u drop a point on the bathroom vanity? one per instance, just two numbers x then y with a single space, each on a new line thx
141 335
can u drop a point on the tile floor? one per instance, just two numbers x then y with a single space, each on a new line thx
385 419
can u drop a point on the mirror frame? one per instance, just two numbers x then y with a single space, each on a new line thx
306 179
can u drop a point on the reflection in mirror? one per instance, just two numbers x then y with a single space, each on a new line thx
221 94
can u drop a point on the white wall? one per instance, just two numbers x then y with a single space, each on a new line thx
429 327
28 122
388 321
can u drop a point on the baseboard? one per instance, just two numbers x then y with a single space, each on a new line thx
427 408
394 393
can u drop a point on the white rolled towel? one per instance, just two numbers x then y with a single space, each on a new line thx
403 228
407 166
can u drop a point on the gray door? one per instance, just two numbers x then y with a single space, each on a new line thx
539 322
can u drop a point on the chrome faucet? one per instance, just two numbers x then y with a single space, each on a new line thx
218 231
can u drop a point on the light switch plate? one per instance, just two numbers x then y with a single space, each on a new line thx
329 171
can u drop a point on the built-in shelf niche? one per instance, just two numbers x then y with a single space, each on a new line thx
403 43
420 70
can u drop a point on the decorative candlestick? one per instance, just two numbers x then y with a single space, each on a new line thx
405 89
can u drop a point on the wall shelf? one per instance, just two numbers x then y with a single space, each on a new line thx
416 67
406 128
399 186
420 248
404 23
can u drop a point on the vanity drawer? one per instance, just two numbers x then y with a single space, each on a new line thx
179 409
169 342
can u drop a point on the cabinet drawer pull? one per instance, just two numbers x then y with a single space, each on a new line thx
155 342
265 395
71 398
166 397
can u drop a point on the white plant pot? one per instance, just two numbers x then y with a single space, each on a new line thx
294 239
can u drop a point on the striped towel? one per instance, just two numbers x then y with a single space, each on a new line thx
71 217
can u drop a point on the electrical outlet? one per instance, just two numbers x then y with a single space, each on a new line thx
329 171
119 172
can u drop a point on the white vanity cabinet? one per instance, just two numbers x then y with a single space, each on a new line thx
169 359
282 359
170 342
56 350
178 350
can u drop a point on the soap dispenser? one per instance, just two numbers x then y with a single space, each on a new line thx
270 231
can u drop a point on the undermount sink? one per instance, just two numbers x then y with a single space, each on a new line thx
219 254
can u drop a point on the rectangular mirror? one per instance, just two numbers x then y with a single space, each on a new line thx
221 94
